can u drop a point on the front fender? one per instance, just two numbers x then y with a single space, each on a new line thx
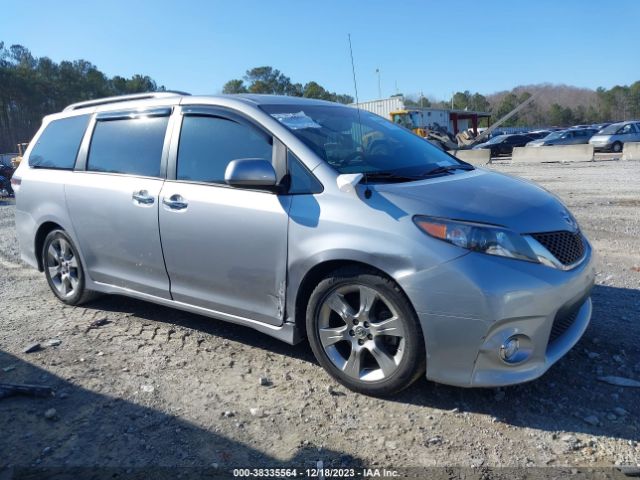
345 228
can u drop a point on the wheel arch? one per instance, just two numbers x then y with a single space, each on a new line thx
320 271
43 230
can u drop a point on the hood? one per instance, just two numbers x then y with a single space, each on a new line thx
600 138
482 196
481 145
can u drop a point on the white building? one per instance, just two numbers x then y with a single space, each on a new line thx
453 120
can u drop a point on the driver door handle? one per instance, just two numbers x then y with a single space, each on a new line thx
175 202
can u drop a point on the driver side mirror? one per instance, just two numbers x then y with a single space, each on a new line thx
256 173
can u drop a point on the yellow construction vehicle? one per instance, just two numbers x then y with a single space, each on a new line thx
412 119
409 119
15 161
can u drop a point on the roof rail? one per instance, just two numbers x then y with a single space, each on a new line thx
123 98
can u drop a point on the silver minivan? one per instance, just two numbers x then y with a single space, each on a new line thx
304 218
572 136
613 137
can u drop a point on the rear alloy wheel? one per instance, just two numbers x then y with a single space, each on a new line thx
63 269
616 147
364 332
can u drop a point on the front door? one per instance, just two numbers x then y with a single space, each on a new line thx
225 248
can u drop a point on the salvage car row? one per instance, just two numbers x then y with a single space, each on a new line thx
609 138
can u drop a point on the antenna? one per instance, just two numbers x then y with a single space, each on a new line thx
353 69
367 192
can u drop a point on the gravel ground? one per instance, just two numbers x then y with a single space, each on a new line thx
138 384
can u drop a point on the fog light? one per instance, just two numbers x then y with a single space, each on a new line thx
509 350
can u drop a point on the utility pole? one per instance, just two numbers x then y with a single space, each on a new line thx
379 87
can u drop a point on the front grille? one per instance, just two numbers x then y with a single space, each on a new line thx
562 322
567 247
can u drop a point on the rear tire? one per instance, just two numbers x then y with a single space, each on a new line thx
364 332
63 269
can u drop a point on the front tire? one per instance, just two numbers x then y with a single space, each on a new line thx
616 147
63 269
364 332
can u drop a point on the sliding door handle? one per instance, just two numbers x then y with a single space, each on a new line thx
143 197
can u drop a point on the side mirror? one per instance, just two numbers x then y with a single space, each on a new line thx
250 173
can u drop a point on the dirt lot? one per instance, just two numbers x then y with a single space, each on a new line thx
155 386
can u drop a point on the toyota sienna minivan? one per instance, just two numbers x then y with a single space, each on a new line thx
304 218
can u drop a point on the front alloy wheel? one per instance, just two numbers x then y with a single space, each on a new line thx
363 331
367 342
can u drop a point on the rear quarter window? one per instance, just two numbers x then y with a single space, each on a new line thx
57 147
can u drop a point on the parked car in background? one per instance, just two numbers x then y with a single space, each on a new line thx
6 172
503 144
573 136
4 185
392 257
537 134
613 137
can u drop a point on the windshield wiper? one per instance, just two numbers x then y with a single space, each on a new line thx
389 176
447 168
399 177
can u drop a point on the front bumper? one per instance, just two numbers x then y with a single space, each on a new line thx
468 307
602 146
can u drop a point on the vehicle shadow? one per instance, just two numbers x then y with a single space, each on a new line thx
560 400
87 429
239 333
569 395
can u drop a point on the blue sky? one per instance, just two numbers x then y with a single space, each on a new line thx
433 47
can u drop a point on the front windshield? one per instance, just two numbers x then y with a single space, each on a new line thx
497 139
554 135
610 130
353 141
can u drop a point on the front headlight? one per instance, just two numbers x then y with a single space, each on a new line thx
477 237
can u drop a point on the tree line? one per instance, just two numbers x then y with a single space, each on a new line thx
31 88
555 105
272 81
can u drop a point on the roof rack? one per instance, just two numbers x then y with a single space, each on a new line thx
123 98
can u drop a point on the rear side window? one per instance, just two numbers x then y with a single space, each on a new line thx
132 146
58 145
208 144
